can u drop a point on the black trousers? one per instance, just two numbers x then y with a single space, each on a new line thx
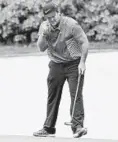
58 74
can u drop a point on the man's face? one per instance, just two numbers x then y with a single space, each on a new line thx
53 18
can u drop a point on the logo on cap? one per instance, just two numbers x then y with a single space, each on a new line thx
47 11
50 7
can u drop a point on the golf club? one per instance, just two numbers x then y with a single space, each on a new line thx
73 109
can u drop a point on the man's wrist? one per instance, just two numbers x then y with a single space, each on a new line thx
83 60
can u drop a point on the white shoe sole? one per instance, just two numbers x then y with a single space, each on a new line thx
49 135
80 133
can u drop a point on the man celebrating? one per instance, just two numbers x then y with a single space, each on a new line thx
67 48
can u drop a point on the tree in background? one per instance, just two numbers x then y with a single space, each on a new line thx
21 19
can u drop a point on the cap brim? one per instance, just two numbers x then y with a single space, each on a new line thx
50 14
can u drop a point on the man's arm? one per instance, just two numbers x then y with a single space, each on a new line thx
85 47
81 38
42 43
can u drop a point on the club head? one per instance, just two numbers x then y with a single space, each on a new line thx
68 123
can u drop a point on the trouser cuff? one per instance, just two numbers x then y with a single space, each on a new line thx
50 130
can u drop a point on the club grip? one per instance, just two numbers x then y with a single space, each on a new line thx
68 123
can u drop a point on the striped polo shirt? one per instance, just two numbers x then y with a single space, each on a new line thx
64 42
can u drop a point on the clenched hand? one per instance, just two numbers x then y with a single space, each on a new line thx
81 68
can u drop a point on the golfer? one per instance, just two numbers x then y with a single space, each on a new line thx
67 48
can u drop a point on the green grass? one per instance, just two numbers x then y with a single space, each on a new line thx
24 50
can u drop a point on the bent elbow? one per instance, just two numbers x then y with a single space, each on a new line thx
41 47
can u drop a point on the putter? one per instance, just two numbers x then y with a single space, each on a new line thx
73 109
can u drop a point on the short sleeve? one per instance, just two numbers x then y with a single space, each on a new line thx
79 34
